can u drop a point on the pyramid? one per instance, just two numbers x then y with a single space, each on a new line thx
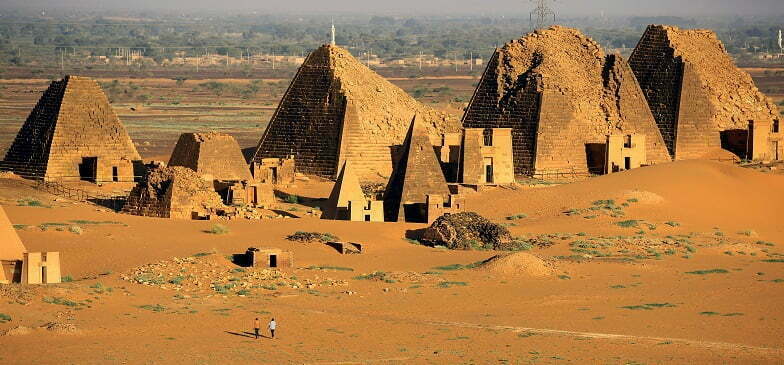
346 188
214 156
11 247
417 174
173 192
336 109
561 95
695 90
72 120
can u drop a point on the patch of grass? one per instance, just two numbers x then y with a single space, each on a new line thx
747 233
454 267
564 277
202 254
516 217
327 267
60 301
29 202
705 272
85 222
617 287
291 198
765 243
773 260
414 242
4 318
672 224
177 280
154 308
649 306
449 284
375 275
218 229
21 226
243 292
628 223
66 279
75 229
100 288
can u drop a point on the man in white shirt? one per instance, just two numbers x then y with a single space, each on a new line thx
272 325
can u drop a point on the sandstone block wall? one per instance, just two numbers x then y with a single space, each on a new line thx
214 156
71 121
173 192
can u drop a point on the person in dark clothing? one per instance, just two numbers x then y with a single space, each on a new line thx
256 327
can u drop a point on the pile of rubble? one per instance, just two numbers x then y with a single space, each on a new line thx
466 231
209 273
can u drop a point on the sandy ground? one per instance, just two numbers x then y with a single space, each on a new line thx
640 297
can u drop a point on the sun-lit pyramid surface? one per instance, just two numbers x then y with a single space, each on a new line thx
72 120
336 109
214 156
560 94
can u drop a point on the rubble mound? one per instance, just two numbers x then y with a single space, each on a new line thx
466 231
213 274
18 331
731 92
518 263
61 328
173 192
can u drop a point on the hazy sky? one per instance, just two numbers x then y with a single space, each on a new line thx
434 7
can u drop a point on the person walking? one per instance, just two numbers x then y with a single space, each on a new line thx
272 325
256 327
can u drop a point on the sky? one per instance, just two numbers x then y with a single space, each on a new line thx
434 7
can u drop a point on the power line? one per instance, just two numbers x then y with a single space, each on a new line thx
541 14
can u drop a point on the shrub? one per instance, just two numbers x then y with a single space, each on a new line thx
672 224
218 229
4 318
291 198
711 271
449 284
628 223
29 202
154 308
75 229
516 217
326 267
66 279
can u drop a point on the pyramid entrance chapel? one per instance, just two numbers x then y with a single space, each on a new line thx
337 109
73 134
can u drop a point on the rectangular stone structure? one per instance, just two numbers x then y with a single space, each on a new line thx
766 141
270 258
41 268
366 211
624 152
437 206
487 157
276 171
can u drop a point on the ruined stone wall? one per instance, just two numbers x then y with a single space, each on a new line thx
172 192
72 120
214 156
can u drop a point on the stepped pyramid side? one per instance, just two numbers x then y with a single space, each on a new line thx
417 174
72 120
561 95
214 156
337 108
346 188
11 247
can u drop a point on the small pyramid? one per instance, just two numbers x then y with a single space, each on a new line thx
346 188
11 247
417 174
336 108
173 192
214 156
72 120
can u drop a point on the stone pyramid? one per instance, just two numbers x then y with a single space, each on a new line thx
11 247
173 192
417 174
214 156
561 95
695 90
72 120
336 109
346 188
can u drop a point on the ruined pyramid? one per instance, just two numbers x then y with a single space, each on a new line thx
336 109
417 174
214 156
173 192
562 96
72 120
700 99
346 188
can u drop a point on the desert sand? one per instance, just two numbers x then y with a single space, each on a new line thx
684 266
